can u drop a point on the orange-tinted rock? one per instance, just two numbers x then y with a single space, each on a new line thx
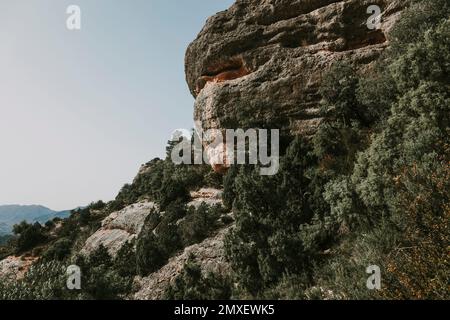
260 63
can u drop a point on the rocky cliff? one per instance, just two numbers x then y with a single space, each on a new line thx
257 64
260 63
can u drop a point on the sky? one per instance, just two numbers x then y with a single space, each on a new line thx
81 110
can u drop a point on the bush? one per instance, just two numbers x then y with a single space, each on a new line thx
125 261
100 279
159 238
164 182
421 17
198 223
60 250
193 285
229 192
269 212
173 190
164 235
99 205
150 256
30 236
44 281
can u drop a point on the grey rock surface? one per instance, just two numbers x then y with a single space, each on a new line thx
260 63
119 228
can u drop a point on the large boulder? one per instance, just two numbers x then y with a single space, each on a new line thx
260 63
119 228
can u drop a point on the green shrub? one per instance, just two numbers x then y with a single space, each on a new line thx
173 190
44 281
199 223
100 279
269 212
193 285
125 262
150 256
30 236
60 250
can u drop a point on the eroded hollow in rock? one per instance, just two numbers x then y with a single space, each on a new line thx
369 39
223 71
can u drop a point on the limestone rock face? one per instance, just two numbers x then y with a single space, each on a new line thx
260 63
119 228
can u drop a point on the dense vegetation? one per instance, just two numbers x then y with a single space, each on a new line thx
180 227
370 188
56 245
192 284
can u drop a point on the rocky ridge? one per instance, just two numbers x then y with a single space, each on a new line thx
257 64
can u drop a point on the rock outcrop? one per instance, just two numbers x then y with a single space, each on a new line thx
119 228
14 268
208 196
260 63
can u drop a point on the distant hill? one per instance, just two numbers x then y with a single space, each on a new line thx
4 228
13 214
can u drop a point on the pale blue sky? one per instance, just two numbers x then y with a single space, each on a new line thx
80 111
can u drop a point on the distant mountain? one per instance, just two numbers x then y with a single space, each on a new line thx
13 214
4 228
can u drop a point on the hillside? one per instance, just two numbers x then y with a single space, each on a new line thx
363 182
13 214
